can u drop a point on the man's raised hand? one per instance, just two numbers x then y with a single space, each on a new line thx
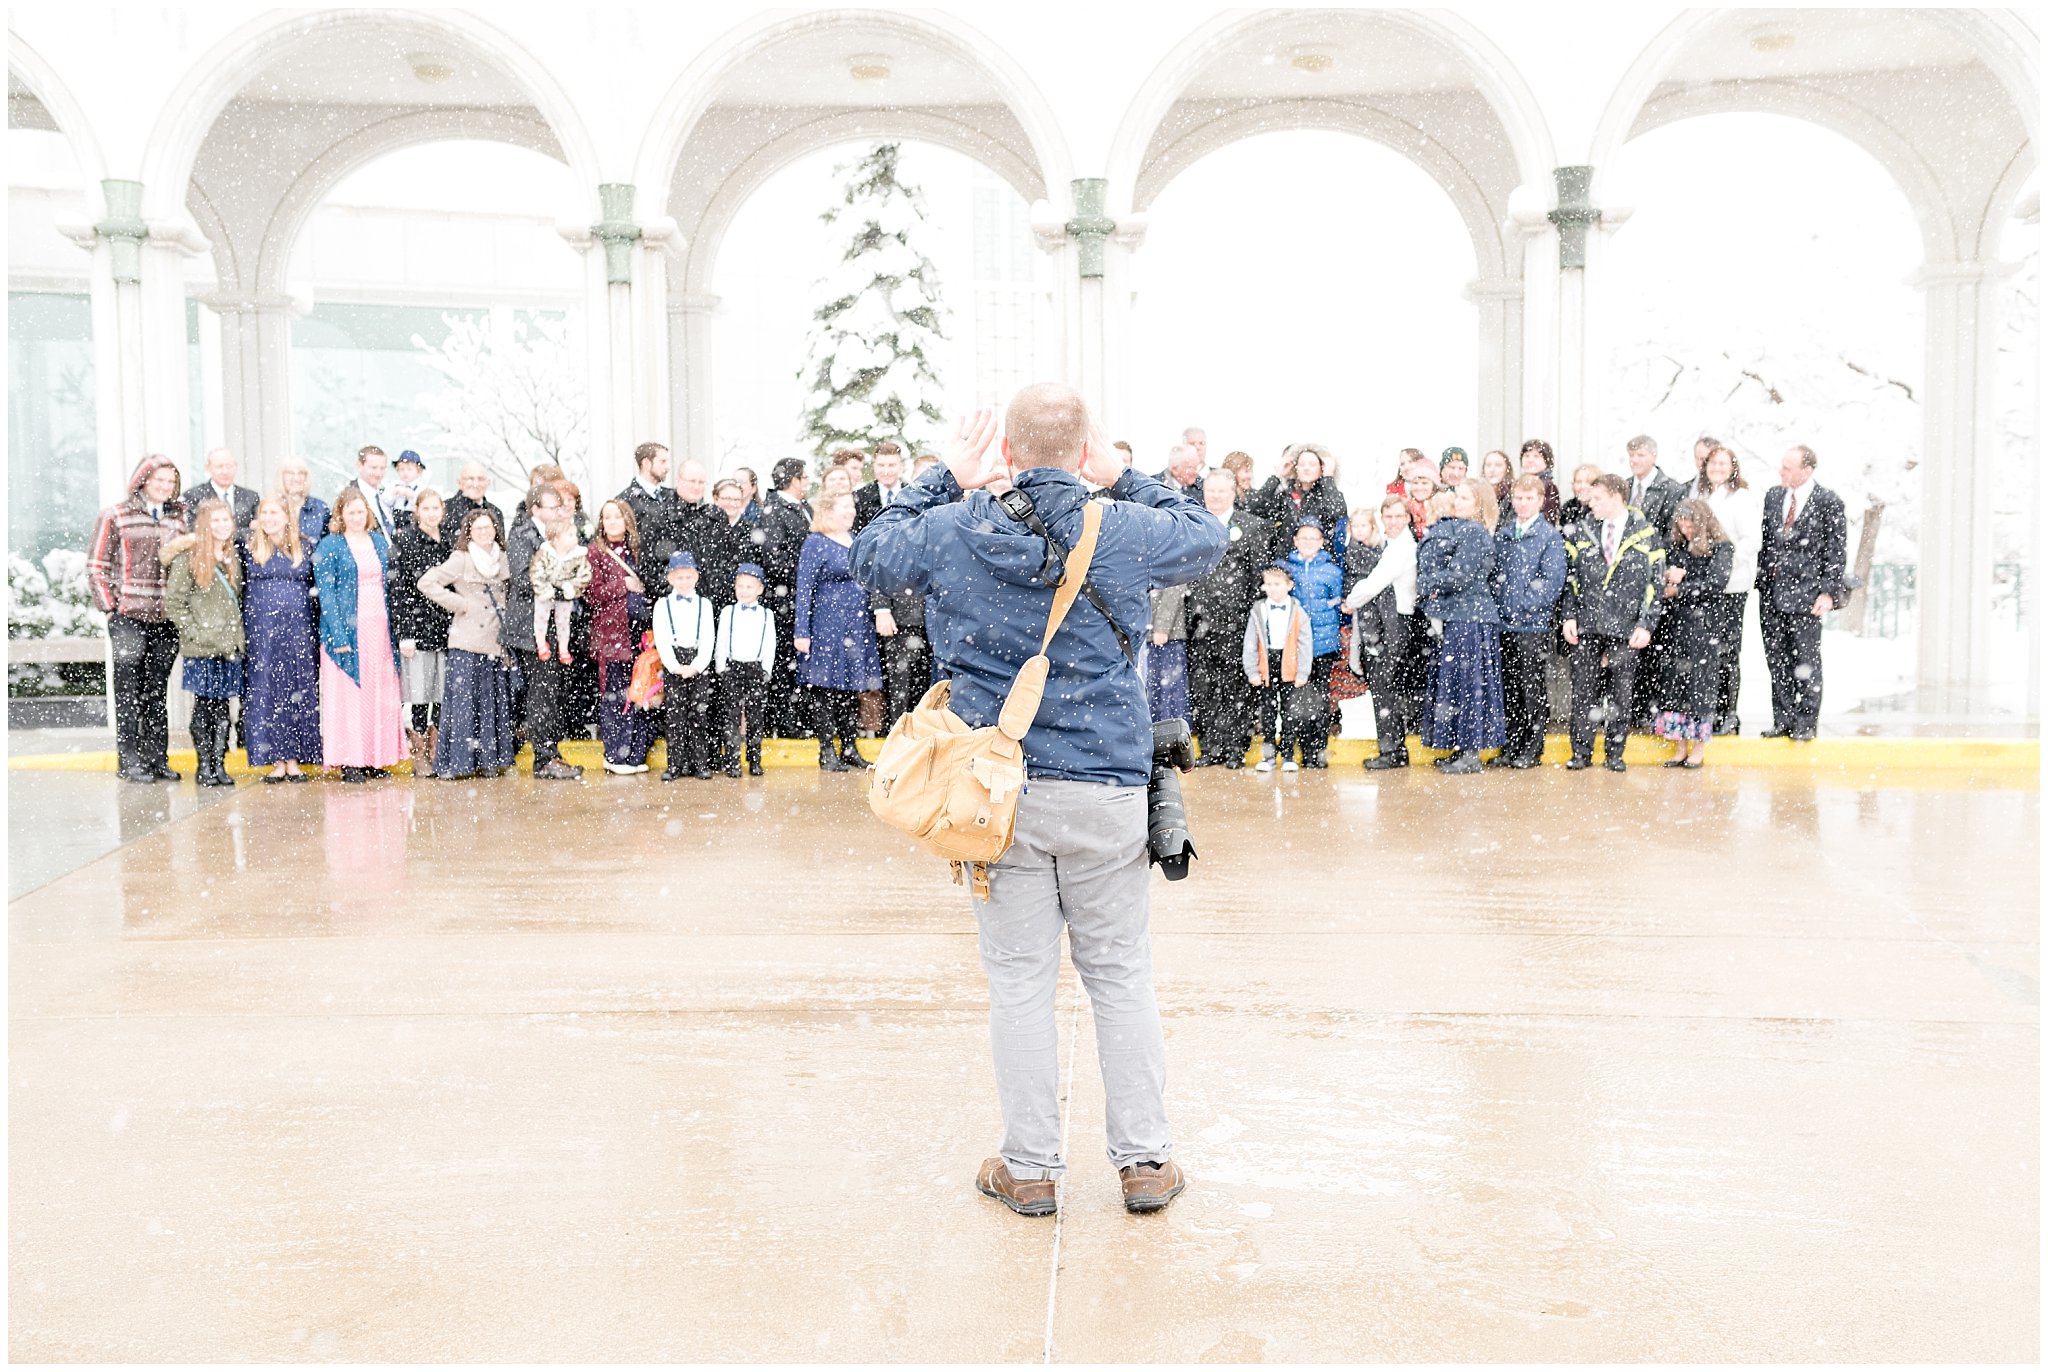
966 455
1100 463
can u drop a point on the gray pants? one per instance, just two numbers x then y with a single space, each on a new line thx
1078 859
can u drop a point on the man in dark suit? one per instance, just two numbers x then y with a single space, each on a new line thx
1218 606
1183 474
657 509
871 499
785 524
473 492
220 485
1649 490
1799 573
372 466
1655 496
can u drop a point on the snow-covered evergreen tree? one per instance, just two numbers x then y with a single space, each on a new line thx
870 373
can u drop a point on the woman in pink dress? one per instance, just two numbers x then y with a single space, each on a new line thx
360 728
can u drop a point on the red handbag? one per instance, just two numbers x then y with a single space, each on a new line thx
645 690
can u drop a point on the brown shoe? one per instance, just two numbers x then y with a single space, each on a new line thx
1148 1188
1025 1197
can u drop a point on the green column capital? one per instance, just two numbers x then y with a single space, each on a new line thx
123 228
616 230
1091 226
1574 215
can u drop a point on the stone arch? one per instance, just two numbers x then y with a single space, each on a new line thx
1464 115
1918 182
709 147
389 133
700 253
1505 95
223 72
682 111
27 66
1467 193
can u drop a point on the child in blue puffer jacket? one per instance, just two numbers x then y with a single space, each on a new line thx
1319 586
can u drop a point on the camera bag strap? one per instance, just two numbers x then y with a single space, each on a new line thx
1027 690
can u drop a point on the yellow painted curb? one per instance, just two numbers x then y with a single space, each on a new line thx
1864 756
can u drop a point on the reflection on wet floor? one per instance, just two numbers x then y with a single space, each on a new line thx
1661 1066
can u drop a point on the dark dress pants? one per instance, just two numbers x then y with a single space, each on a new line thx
788 707
1221 697
1603 667
686 706
1393 709
1525 694
1315 710
906 672
144 653
743 696
544 686
1280 710
1792 652
1728 687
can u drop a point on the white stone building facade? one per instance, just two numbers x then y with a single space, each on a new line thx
218 131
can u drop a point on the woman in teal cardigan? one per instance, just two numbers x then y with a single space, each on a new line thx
361 731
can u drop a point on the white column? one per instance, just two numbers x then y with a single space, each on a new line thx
1958 466
1118 301
1499 304
653 413
255 356
1538 384
690 329
166 377
1059 340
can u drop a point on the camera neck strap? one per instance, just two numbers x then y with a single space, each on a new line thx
1018 506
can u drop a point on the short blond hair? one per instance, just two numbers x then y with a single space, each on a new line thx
1046 426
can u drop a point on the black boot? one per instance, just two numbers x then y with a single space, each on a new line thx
753 759
223 737
846 719
202 744
828 761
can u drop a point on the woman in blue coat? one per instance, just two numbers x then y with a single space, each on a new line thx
281 700
1319 586
360 728
1453 572
835 634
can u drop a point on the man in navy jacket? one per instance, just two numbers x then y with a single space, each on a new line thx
1079 854
1528 578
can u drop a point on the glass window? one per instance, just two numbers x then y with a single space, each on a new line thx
52 423
357 378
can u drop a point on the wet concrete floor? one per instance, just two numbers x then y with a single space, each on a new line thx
1665 1066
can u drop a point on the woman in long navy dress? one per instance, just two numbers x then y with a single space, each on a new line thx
281 700
835 635
1453 572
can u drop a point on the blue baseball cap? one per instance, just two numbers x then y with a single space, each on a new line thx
680 560
1310 523
752 569
410 456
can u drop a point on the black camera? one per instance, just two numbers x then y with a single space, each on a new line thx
1167 836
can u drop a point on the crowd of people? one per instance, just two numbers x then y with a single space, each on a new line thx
1447 599
396 623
